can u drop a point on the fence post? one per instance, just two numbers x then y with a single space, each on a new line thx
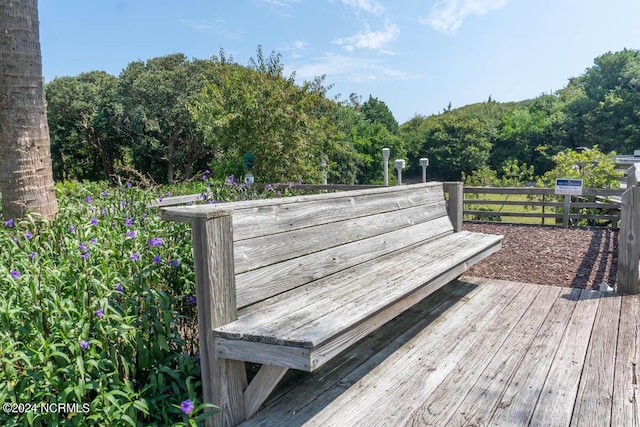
223 380
455 205
565 213
633 176
629 243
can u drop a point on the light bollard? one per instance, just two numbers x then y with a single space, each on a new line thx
385 156
424 162
399 163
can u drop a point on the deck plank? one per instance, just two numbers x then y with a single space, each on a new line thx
523 389
595 394
557 397
486 394
419 367
539 368
626 392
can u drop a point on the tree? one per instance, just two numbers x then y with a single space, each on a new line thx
376 111
83 114
26 176
256 109
156 96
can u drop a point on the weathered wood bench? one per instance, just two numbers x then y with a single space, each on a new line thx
292 282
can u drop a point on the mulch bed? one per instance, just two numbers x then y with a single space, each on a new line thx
575 257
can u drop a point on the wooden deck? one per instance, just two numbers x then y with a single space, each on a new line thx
480 352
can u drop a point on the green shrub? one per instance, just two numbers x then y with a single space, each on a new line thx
91 310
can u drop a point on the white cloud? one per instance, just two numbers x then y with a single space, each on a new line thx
348 68
370 6
447 15
376 40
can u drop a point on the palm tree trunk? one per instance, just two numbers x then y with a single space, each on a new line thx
26 176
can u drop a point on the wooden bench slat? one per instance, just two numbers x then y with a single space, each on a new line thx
337 338
353 294
271 249
278 278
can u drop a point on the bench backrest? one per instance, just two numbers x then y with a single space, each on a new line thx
283 243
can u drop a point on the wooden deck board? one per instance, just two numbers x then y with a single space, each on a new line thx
499 354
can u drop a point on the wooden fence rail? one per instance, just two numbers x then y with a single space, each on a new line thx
569 209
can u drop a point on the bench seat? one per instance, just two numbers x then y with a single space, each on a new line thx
305 327
293 282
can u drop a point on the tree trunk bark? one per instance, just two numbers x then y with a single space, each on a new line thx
26 175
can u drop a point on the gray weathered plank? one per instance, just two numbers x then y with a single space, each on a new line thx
403 272
557 398
628 281
593 402
265 208
278 278
474 405
261 387
517 402
626 388
223 380
418 367
266 250
336 376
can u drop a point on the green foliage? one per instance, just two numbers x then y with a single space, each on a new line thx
377 112
93 308
256 109
597 169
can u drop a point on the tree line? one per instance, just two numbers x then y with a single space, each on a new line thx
169 118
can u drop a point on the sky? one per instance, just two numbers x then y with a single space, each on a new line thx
417 56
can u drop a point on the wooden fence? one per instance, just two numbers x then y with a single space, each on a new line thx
543 203
628 281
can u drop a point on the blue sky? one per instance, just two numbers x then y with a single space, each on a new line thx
415 55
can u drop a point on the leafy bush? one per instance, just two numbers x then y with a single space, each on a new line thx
91 310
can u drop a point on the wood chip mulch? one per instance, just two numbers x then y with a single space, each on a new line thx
575 257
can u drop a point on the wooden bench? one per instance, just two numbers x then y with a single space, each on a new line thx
292 282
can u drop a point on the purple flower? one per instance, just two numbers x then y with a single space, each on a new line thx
28 235
93 221
32 255
72 229
15 274
83 247
128 222
129 184
155 241
157 259
231 179
191 300
175 263
207 171
160 199
94 241
135 256
105 194
269 187
131 233
85 255
203 177
99 313
104 211
88 199
9 223
84 344
123 203
14 239
119 287
290 184
186 406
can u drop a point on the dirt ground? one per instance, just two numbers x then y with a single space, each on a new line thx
581 258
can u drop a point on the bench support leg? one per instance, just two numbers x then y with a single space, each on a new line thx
261 387
223 380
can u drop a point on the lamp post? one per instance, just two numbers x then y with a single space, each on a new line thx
424 162
399 163
385 157
323 165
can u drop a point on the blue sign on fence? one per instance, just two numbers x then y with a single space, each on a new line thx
569 186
